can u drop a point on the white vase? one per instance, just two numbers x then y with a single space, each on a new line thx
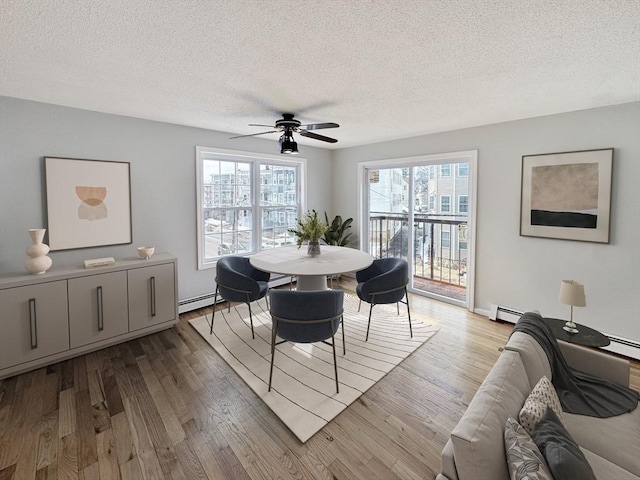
39 262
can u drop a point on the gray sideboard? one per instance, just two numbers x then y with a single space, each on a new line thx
69 311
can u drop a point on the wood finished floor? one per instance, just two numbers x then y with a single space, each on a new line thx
166 406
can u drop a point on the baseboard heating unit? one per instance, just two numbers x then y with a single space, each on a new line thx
506 314
623 346
195 303
206 300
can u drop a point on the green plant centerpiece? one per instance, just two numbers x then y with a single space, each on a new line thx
336 233
310 229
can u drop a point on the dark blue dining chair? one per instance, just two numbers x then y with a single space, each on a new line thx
306 316
384 281
238 281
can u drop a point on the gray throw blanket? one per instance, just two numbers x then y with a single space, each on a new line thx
579 392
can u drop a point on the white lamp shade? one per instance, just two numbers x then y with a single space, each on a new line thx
572 293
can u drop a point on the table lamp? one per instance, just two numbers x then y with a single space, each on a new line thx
572 293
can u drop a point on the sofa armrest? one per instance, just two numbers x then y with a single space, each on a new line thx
448 463
596 363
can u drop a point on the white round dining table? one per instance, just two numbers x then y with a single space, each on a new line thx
311 272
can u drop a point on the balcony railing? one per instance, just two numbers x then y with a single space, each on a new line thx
440 243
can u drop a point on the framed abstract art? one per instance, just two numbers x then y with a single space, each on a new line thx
567 195
88 203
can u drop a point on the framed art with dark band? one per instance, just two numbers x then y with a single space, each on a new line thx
567 195
88 203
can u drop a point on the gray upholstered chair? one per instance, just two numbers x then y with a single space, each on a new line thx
384 281
307 316
238 281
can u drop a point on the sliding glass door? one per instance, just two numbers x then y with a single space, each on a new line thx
420 209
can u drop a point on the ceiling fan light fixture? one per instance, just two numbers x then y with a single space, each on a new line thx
287 145
288 126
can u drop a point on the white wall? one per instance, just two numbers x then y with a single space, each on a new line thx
162 158
524 272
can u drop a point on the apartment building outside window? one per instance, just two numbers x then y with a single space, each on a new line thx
445 239
445 203
246 202
463 204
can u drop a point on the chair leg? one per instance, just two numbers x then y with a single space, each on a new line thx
335 362
344 347
406 294
273 350
359 305
369 323
251 320
213 313
398 307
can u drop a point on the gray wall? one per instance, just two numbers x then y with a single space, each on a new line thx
519 272
524 272
162 158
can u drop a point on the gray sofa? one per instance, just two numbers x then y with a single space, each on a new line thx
475 449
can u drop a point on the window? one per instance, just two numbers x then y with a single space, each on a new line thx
463 204
445 239
432 203
445 203
246 202
278 204
463 169
445 170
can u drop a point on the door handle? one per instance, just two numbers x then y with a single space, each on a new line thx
100 310
33 324
152 281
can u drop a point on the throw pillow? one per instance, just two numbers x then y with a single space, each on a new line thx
524 459
542 396
562 453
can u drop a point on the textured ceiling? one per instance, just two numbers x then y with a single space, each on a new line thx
381 69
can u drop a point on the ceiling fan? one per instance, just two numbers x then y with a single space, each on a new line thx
288 125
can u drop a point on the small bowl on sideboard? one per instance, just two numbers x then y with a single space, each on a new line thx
145 252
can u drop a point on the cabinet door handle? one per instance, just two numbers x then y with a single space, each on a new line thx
33 324
153 296
100 310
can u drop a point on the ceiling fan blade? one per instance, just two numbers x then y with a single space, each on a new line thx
315 136
318 126
254 134
261 125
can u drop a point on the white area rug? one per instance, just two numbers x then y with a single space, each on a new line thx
303 391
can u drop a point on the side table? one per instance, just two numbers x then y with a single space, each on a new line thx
586 336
